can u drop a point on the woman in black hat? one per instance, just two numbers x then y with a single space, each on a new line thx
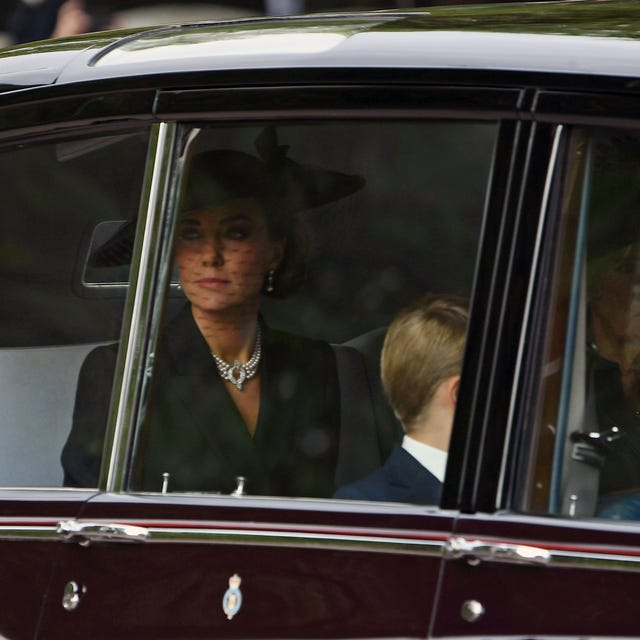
232 398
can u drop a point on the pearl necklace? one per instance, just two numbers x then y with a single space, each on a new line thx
238 373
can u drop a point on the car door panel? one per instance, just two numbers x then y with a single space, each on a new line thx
529 577
29 544
22 599
308 574
54 190
160 565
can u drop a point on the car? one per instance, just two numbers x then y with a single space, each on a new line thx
491 152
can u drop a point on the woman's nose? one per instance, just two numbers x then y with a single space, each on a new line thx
213 252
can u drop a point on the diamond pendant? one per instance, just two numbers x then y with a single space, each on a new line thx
237 375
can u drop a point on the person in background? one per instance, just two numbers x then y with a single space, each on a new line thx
420 367
34 20
614 362
284 7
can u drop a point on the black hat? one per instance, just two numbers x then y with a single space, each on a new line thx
283 186
271 177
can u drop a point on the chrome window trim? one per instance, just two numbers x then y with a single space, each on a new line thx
125 402
173 158
535 264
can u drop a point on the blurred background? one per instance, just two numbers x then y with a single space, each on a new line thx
30 20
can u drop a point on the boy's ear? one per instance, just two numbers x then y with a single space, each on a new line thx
453 384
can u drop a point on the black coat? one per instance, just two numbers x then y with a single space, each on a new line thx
401 479
621 470
194 432
28 23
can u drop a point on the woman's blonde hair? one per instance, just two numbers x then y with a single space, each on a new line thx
424 345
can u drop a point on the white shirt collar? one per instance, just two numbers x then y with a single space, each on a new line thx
432 459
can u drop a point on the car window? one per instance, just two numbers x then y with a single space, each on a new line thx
314 236
587 433
62 295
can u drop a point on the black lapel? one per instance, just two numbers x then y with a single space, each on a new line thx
208 415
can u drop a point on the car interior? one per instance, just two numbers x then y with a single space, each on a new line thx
585 456
413 228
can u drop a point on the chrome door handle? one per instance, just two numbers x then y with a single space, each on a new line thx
477 551
86 532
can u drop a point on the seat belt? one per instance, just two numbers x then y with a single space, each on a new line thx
585 456
586 461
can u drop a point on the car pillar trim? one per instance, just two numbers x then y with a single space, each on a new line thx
135 327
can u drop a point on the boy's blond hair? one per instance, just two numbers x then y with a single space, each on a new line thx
424 345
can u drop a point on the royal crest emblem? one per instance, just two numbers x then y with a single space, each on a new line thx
232 599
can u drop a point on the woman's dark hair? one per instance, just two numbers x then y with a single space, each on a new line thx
291 273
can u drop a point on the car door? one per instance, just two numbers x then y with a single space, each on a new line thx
172 562
59 193
28 550
552 549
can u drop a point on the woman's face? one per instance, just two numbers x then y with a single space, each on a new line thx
223 254
616 309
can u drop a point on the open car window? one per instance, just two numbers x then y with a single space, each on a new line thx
318 234
55 196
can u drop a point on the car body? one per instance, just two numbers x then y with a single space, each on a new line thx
476 130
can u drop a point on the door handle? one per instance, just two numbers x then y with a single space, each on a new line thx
86 532
477 551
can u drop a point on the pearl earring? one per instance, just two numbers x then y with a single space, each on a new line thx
270 275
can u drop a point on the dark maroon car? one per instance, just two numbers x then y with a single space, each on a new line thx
496 156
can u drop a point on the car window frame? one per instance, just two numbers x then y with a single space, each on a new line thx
73 130
138 320
568 111
505 120
502 105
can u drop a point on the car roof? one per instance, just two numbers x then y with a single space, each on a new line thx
594 37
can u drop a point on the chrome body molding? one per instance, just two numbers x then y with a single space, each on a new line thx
89 532
454 548
27 531
477 551
351 541
544 555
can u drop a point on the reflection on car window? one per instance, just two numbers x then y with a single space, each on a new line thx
295 246
54 196
588 439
